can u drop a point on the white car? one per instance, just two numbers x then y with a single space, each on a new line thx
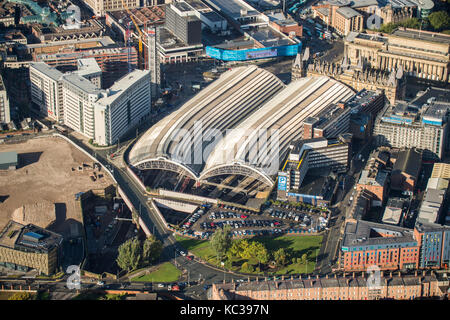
183 253
100 283
160 285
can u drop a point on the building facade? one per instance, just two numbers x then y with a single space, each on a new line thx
101 6
46 90
421 54
347 287
434 242
128 102
5 113
24 247
389 247
421 123
182 21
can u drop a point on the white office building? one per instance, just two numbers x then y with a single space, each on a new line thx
5 116
124 106
89 69
79 96
46 90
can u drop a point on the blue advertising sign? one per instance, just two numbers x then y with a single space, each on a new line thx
282 183
262 54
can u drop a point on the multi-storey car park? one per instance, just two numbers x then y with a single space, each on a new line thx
265 116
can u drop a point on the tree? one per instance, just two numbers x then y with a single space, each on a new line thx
258 251
247 268
130 255
21 296
221 241
152 249
237 248
304 258
281 257
439 20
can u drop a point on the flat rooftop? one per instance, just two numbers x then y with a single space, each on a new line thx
46 70
81 83
121 85
366 233
233 8
424 35
8 157
28 238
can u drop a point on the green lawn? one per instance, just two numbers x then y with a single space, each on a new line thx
299 245
166 272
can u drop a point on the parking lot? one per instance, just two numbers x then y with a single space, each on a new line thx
243 222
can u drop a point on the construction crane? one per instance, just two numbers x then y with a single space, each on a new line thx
154 66
141 35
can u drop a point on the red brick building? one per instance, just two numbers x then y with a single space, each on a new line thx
389 247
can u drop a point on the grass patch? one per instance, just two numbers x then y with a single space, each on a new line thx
298 244
166 272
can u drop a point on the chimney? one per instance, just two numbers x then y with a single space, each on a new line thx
415 273
317 276
341 105
248 279
399 273
424 273
282 278
390 274
381 274
335 276
353 276
309 277
276 284
232 280
326 276
292 277
266 279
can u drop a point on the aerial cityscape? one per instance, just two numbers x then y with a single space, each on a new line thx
224 150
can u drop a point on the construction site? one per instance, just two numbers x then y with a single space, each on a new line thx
43 189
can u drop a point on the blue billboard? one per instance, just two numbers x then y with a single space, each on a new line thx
251 54
282 182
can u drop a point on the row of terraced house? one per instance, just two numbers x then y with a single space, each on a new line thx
347 287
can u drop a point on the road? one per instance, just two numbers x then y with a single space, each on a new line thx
329 251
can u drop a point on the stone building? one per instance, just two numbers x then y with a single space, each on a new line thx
361 77
421 54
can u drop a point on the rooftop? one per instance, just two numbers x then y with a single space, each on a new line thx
366 233
88 66
28 238
422 35
46 70
81 83
348 12
8 157
409 162
121 85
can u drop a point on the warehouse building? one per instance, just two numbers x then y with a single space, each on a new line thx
29 247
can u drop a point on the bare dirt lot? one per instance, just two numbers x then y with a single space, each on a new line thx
45 177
